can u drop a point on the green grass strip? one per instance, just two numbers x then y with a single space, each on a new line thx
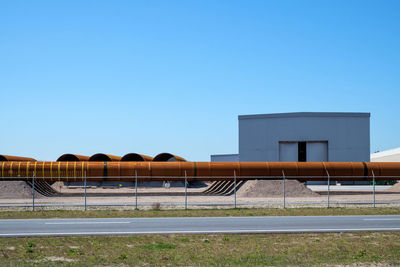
197 213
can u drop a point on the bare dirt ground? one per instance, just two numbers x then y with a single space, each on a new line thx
15 190
274 188
394 188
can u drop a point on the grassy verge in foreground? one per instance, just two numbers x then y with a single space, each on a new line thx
221 250
197 213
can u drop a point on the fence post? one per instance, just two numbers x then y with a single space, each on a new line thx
33 191
284 189
136 206
373 186
185 191
329 187
234 185
85 190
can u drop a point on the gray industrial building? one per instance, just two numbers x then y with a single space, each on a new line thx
302 136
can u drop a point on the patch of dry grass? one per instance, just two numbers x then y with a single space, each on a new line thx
205 250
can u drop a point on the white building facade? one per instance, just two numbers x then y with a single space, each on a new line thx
392 155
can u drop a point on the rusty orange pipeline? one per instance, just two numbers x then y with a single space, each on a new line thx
15 158
198 171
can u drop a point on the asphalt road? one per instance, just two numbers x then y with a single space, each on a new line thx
197 225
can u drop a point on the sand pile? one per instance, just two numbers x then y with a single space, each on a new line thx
16 189
273 188
394 188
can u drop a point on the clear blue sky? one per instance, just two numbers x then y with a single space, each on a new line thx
172 76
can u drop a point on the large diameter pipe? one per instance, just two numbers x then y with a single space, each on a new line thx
15 158
104 157
136 157
199 171
73 157
168 157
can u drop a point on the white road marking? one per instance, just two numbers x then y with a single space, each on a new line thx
85 222
383 219
206 232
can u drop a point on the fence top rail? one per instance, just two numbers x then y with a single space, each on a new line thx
196 177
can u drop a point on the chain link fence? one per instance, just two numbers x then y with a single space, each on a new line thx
139 192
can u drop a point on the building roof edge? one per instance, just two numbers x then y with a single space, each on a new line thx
306 114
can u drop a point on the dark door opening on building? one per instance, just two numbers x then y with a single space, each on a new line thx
302 155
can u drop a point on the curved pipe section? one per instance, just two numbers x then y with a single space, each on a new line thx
199 171
104 157
73 157
168 157
136 157
15 158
